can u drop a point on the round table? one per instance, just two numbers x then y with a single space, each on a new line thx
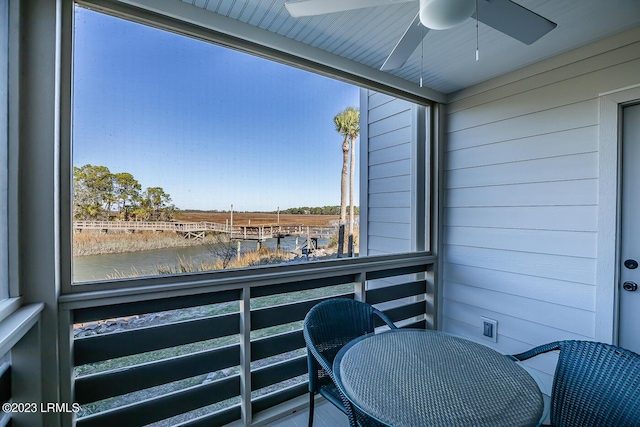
429 378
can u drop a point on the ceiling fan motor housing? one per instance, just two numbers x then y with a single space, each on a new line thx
444 14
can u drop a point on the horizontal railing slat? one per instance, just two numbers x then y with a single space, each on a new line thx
90 314
273 399
216 419
263 291
118 344
286 313
405 312
278 372
114 383
166 406
412 269
422 324
277 344
390 293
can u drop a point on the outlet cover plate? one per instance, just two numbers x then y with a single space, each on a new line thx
489 326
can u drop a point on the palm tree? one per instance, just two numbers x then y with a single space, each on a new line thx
348 125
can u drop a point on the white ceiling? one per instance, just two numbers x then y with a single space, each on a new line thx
447 63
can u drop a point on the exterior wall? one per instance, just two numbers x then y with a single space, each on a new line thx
393 194
386 170
521 199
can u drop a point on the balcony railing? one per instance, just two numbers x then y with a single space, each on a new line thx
211 351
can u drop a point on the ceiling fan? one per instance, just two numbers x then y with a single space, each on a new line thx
503 15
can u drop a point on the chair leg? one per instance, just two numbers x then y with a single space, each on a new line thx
311 402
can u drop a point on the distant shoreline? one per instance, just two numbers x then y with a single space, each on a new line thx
256 218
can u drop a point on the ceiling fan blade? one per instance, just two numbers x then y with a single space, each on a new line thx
513 20
407 44
318 7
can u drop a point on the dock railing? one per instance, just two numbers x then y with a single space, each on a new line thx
239 232
150 226
218 348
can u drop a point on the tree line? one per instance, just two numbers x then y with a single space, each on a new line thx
100 195
318 210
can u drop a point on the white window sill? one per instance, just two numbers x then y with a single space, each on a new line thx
15 325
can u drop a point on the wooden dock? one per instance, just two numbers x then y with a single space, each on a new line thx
197 230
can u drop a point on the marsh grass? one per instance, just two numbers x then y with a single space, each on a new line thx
333 240
93 243
264 256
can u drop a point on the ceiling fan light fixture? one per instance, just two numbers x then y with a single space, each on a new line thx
444 14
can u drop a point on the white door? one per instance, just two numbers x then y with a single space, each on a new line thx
629 333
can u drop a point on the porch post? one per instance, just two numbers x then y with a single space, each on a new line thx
39 136
245 356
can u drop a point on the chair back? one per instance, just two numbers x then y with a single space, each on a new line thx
331 324
595 384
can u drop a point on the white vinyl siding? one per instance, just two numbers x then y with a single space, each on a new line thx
521 198
388 177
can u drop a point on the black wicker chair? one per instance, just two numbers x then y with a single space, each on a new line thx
327 328
595 384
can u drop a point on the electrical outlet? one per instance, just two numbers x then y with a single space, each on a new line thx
489 329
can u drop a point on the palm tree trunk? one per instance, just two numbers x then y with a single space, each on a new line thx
352 169
343 197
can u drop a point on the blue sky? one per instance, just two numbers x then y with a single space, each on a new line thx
209 125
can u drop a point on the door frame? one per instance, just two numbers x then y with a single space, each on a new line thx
607 301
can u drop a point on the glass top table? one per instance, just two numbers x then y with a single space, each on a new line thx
428 378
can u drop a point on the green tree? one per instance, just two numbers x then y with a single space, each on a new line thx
157 204
97 192
92 192
127 192
348 125
339 120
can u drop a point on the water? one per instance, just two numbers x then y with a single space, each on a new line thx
146 263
